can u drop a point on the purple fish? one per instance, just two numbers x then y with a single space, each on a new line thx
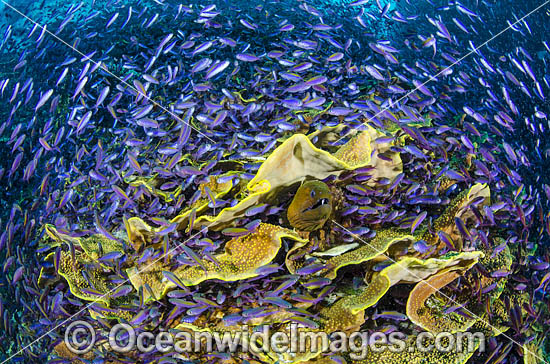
315 102
299 87
246 57
80 86
422 247
374 73
335 57
17 275
43 99
15 164
216 68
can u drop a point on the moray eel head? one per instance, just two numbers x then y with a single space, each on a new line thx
311 206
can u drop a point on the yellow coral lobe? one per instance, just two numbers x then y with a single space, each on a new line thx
98 245
502 261
122 310
52 232
228 215
376 289
311 206
373 248
354 152
152 185
429 315
366 143
243 256
431 318
88 284
368 297
218 189
331 319
414 354
347 314
459 207
297 159
407 270
139 232
93 287
150 274
63 351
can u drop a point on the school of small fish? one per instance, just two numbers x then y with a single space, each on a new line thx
116 116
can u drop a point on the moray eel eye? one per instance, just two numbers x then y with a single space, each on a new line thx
311 206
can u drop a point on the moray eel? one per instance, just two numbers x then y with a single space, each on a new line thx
311 206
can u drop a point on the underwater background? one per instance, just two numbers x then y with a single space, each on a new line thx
153 155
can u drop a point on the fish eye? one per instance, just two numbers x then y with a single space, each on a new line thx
312 193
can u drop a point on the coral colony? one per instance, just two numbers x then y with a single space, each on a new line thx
303 166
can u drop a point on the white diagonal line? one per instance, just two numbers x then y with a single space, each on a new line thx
206 227
441 293
432 78
147 266
106 70
104 295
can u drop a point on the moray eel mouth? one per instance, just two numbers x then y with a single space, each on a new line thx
321 202
311 206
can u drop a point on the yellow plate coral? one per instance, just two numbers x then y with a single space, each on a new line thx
296 159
